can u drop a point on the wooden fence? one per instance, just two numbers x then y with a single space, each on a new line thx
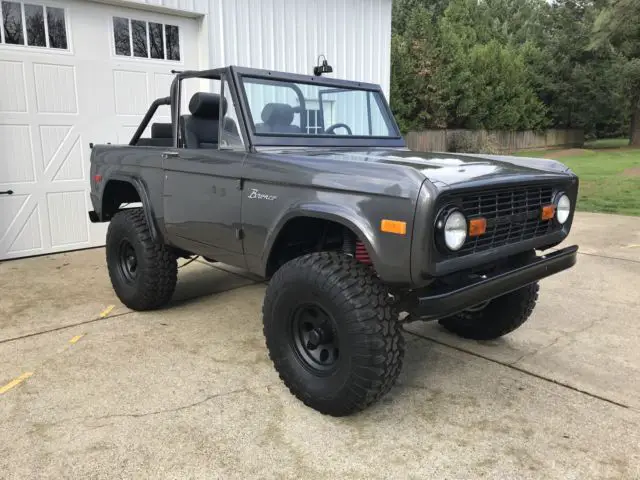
502 141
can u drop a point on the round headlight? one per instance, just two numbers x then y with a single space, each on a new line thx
455 230
563 209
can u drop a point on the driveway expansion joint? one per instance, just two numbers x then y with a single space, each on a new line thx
526 372
631 260
569 335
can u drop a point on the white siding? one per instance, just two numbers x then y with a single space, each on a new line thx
288 35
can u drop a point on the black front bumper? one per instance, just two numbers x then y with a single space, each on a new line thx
441 302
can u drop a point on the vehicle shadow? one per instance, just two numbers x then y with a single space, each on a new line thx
199 279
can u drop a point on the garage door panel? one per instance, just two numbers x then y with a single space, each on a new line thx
52 139
28 238
55 87
16 153
13 98
162 85
162 82
10 206
130 92
67 218
70 163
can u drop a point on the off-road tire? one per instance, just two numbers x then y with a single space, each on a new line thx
157 269
499 317
370 338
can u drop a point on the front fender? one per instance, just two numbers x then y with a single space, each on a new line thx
389 253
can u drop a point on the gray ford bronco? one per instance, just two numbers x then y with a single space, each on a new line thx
306 181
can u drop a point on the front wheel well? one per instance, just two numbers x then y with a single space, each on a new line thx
303 235
116 193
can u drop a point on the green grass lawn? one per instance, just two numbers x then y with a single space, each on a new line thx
609 177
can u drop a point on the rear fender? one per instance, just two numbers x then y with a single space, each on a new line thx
147 207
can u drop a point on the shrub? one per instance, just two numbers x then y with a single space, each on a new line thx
472 142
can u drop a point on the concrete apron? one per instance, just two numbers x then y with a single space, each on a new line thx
190 391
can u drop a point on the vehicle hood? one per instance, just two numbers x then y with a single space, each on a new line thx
446 169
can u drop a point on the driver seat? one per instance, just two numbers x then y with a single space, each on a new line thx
200 129
277 118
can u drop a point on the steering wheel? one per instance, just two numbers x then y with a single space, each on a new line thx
331 129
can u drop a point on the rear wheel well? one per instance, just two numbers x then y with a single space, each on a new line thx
303 235
116 193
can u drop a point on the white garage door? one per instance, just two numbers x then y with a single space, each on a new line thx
73 72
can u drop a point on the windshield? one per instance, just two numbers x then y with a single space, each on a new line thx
286 108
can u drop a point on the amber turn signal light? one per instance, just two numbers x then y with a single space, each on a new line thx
477 227
393 226
548 212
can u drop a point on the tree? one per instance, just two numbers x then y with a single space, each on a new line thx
497 94
415 61
516 64
578 84
618 26
488 83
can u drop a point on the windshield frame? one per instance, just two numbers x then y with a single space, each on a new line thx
319 140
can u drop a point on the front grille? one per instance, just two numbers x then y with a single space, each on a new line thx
513 215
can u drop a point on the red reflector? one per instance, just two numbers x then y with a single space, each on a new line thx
97 178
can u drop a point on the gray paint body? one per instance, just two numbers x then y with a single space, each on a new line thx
197 202
231 205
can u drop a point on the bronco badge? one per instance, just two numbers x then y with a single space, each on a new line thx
261 196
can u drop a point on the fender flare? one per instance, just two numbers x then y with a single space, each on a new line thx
147 208
344 215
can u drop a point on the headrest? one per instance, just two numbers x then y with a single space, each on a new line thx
207 105
277 114
161 130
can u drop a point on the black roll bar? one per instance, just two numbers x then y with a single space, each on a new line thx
147 118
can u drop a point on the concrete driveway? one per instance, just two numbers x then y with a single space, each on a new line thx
189 392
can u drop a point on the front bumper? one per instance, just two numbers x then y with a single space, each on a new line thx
431 304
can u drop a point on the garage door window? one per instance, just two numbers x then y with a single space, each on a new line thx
32 25
141 39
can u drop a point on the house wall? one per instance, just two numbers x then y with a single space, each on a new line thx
288 35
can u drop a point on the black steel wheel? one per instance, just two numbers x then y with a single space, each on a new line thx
127 261
143 273
315 337
332 332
